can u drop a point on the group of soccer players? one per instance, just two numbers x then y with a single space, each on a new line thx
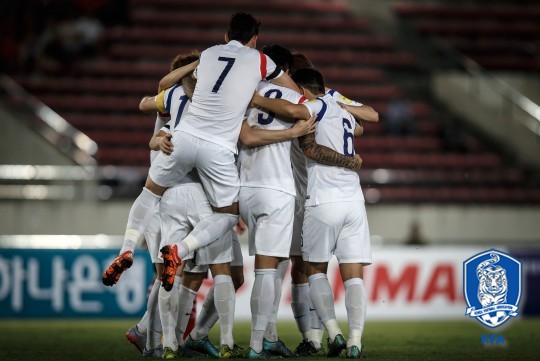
295 184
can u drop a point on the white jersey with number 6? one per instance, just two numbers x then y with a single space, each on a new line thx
227 76
335 128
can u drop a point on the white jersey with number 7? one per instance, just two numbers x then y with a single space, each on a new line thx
227 76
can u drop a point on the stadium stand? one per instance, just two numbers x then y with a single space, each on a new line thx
100 95
500 35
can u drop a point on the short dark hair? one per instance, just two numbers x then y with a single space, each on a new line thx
243 27
300 61
280 55
184 59
310 79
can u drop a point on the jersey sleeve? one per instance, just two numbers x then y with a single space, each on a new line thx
269 69
167 127
314 106
160 102
338 97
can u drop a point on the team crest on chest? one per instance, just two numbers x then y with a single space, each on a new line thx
492 286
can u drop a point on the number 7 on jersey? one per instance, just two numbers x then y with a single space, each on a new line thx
230 62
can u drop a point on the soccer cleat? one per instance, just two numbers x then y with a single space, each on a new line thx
253 355
277 348
336 346
226 352
114 271
157 352
204 346
354 352
169 354
306 348
136 338
170 263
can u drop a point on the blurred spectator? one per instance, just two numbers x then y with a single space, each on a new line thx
415 237
399 118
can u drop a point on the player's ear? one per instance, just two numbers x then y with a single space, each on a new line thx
226 37
252 43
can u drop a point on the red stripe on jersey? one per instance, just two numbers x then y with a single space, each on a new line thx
263 65
303 99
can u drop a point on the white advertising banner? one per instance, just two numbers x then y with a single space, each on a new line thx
402 283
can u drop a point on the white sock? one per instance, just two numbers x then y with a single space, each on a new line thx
207 231
168 310
356 303
207 318
271 333
224 299
262 302
300 307
139 217
153 338
323 298
142 326
317 328
185 305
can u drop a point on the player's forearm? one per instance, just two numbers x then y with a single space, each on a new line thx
281 107
326 156
154 142
148 104
260 137
176 75
363 113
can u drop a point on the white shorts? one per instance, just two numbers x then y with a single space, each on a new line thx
215 165
339 228
182 207
193 265
269 216
296 243
152 236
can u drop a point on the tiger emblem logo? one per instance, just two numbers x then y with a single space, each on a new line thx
492 282
492 287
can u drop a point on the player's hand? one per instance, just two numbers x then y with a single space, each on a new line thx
165 144
357 163
240 227
253 102
303 127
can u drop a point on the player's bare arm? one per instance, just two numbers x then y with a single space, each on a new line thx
148 104
281 107
363 112
253 137
326 156
161 141
359 129
176 75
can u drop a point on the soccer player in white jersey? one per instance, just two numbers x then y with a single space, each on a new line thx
181 208
267 205
335 219
266 202
227 76
305 314
149 341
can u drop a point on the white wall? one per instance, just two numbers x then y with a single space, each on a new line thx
438 224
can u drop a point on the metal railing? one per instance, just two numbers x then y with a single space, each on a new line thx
50 125
528 112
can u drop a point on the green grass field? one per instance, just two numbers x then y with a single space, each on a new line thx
104 340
